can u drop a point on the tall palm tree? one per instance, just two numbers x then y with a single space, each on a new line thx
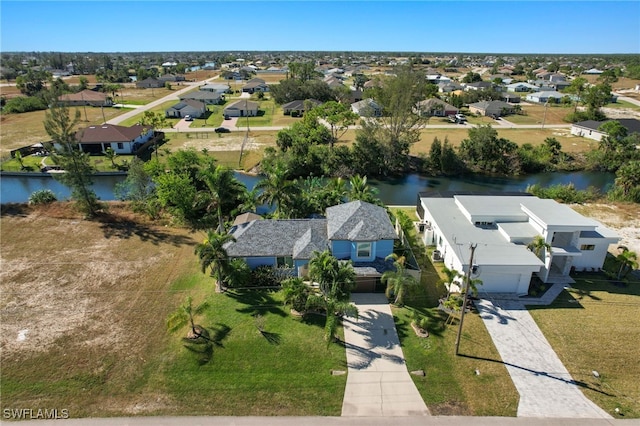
360 190
322 269
277 190
399 282
213 255
222 186
539 246
628 261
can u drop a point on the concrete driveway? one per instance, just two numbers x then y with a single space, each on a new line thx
378 383
545 386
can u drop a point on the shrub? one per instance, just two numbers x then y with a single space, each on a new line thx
42 196
24 104
264 276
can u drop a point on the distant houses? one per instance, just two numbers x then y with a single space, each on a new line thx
189 107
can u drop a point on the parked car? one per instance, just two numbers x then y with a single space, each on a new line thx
458 118
188 118
222 130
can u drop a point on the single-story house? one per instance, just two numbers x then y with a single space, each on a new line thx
123 140
544 97
209 98
366 108
172 78
300 106
86 97
255 85
190 107
478 85
218 88
149 83
448 87
434 107
241 108
489 108
356 231
521 87
333 81
512 98
501 227
593 71
589 128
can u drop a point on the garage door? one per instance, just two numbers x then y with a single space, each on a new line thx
499 283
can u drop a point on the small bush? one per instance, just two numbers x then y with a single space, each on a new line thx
22 104
42 196
264 276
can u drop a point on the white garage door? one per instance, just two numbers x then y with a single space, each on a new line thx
499 283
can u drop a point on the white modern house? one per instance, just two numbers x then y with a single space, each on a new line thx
502 226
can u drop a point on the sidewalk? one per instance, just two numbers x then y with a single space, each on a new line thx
378 383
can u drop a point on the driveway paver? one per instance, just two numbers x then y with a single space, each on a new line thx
545 386
378 383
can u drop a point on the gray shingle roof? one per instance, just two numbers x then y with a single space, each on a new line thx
359 221
268 238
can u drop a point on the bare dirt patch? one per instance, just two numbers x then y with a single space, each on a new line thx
622 218
69 280
223 143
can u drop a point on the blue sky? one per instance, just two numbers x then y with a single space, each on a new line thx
405 26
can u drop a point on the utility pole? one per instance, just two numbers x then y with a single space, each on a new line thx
472 246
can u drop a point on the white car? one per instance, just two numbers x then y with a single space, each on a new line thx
188 118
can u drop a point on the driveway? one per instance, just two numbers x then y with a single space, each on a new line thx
378 383
545 386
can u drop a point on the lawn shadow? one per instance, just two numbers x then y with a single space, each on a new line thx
258 300
272 338
119 227
202 351
220 332
539 373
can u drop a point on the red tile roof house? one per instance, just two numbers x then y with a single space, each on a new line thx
123 140
86 97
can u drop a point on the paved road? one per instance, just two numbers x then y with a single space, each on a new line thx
378 383
330 421
545 386
141 108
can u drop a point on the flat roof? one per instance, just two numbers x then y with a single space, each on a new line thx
552 213
493 206
520 230
492 249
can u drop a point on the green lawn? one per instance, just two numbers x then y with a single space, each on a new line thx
160 108
284 370
594 326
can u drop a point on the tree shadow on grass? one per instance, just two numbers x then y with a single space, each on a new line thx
259 300
220 332
272 338
119 227
13 209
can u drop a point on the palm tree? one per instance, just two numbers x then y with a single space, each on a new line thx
628 261
111 155
222 186
451 275
213 255
399 282
185 314
276 189
359 190
331 274
334 309
539 246
296 293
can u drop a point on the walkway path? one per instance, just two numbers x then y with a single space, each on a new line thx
378 383
545 386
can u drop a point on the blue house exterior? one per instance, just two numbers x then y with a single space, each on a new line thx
357 231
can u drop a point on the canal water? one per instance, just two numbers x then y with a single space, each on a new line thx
402 191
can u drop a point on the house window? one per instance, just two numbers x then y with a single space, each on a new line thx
586 247
363 250
284 262
120 145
